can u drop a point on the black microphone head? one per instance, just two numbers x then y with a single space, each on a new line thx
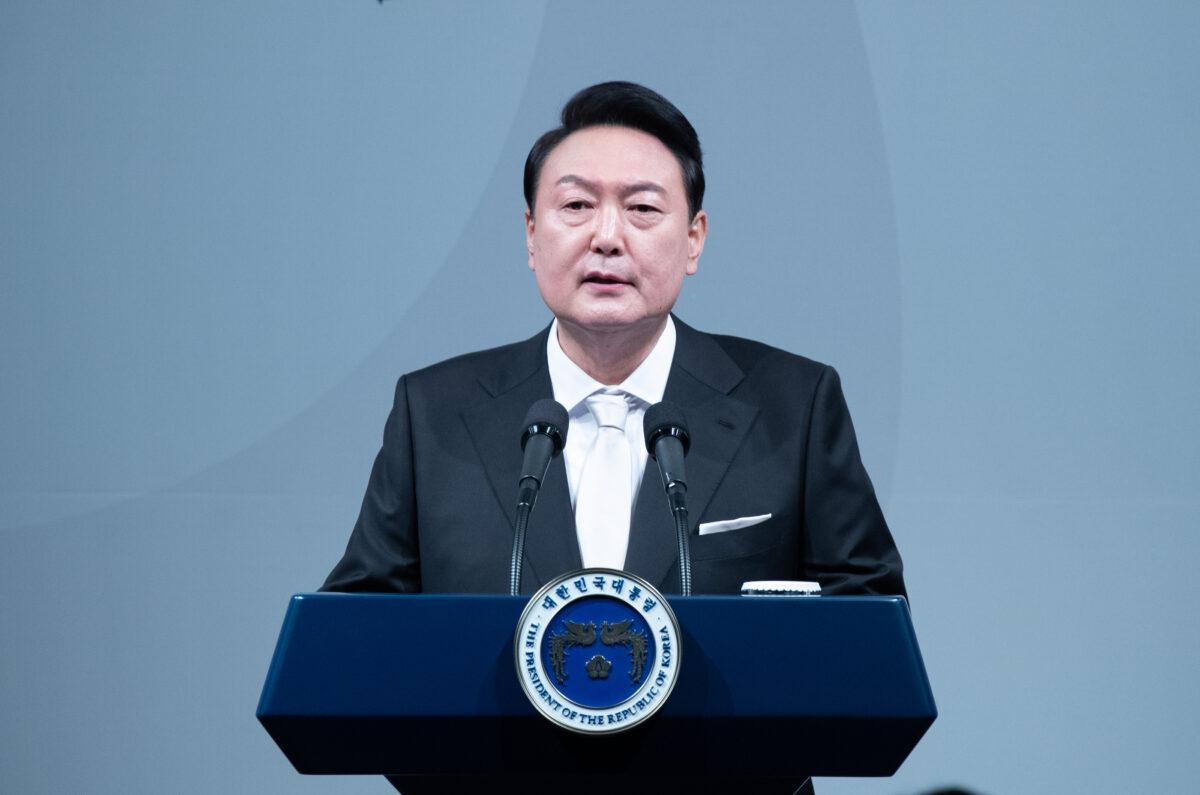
548 417
665 419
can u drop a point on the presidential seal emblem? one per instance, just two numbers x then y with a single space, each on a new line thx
597 651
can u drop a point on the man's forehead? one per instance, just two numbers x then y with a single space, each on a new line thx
620 158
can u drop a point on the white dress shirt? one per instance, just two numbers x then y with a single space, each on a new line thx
644 387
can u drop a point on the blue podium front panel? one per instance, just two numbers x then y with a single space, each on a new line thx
427 685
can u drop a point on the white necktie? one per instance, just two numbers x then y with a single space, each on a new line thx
602 506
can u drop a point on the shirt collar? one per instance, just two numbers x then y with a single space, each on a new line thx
647 383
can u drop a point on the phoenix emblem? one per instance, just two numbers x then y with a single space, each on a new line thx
618 633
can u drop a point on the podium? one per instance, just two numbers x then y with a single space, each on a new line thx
423 689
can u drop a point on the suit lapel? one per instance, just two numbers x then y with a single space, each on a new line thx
514 383
702 375
551 544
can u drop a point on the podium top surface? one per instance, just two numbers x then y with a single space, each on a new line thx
452 655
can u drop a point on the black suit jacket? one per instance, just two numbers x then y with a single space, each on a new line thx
770 434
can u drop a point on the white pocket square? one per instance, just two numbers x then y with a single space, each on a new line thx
725 525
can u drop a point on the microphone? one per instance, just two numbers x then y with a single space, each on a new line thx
543 436
667 442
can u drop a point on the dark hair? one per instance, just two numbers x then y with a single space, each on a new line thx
622 104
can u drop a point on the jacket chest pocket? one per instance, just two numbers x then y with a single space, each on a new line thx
736 538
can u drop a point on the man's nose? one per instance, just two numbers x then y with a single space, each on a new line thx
606 236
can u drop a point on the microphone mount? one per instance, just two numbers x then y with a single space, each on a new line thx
543 437
667 442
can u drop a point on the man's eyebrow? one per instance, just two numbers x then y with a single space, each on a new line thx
628 190
639 187
572 179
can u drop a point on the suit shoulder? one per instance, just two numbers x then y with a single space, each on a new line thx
758 358
515 360
470 362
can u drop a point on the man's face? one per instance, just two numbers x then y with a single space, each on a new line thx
609 239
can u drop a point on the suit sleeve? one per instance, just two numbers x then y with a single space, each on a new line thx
847 545
383 553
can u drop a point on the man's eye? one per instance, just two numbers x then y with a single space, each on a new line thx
644 208
575 205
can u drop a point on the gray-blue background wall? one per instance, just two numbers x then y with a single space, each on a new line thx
225 229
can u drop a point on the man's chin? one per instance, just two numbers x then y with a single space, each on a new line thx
608 322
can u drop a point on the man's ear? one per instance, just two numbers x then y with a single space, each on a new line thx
529 236
697 232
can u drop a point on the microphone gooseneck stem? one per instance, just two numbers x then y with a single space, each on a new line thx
524 505
677 496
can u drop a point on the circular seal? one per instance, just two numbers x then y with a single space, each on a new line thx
597 650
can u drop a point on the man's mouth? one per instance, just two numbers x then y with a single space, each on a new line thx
604 279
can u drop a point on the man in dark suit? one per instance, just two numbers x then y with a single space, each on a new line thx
776 487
